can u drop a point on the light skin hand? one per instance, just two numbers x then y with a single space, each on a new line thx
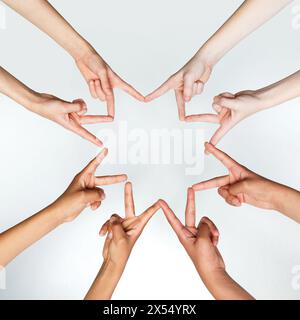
187 82
70 115
122 234
190 80
201 245
244 186
83 192
101 80
233 108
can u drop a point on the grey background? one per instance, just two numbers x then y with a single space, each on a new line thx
145 42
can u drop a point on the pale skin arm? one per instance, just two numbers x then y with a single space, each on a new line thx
70 115
122 234
100 78
241 186
201 244
83 192
42 14
190 80
233 108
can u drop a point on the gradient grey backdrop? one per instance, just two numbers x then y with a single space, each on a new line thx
145 42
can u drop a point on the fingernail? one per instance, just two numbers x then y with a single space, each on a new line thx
103 196
110 235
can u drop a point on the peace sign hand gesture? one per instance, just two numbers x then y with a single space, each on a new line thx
83 192
187 82
101 80
122 233
241 185
199 242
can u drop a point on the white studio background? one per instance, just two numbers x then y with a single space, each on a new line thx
145 42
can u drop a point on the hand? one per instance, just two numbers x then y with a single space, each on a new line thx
232 109
199 242
70 115
187 82
124 232
241 185
102 80
83 192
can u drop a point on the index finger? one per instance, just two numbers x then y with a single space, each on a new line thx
148 214
165 87
175 223
108 180
128 200
130 90
93 165
221 156
212 183
190 210
180 104
78 129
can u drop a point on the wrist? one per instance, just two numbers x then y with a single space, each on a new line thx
283 197
208 54
29 99
82 50
266 96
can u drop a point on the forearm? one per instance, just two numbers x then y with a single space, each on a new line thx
42 14
106 281
223 287
18 238
280 92
249 17
17 91
287 201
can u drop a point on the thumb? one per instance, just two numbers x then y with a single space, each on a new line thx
188 88
238 187
204 231
77 106
94 195
226 102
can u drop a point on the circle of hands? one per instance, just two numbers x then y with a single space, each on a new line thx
239 186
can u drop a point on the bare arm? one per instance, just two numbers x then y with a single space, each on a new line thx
44 16
83 192
247 18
